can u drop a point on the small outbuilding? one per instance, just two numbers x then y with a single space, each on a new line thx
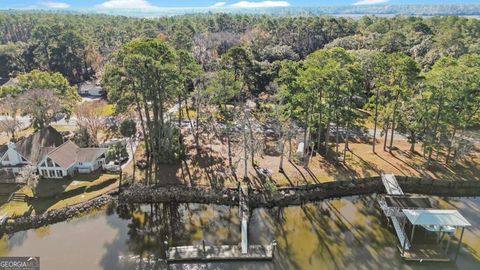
90 89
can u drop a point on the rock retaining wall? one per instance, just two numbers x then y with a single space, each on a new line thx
139 193
297 195
54 216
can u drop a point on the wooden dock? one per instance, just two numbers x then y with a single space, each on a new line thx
426 253
243 251
219 253
244 212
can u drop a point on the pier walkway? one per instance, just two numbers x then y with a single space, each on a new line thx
243 251
393 188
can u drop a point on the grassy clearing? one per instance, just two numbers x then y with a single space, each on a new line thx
20 134
45 205
192 113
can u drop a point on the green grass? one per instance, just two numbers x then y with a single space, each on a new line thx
43 205
191 112
109 110
54 193
15 209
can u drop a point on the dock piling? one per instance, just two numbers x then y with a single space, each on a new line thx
204 251
274 247
165 243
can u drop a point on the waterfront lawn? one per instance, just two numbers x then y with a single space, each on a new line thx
17 209
42 205
54 193
78 183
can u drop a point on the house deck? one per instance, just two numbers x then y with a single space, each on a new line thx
425 252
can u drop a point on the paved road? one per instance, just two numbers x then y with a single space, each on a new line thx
26 121
396 135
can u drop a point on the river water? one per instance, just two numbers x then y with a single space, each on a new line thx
348 233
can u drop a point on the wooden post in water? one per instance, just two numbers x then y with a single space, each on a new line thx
459 244
204 252
165 243
411 237
448 244
403 247
274 247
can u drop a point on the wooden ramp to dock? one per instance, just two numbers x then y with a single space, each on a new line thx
402 237
219 253
391 184
393 188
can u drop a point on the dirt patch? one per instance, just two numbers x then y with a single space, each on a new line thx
208 165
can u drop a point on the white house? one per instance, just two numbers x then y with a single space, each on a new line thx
29 150
69 159
9 157
90 89
53 157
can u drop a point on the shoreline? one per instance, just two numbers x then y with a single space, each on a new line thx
282 197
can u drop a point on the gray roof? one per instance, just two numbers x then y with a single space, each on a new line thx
68 153
90 154
32 147
434 217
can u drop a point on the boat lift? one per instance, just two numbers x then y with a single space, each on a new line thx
413 213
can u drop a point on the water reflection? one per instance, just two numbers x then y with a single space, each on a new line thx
347 233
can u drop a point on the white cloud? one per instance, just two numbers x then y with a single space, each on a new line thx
247 4
218 4
369 2
118 4
58 5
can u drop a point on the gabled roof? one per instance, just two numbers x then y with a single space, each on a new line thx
436 217
31 147
65 155
68 153
86 155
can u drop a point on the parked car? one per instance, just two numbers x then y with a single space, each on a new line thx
112 167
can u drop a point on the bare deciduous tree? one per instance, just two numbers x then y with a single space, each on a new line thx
29 176
41 105
90 115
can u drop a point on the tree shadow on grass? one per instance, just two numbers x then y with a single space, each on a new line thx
42 204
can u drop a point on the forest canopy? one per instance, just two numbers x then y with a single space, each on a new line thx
78 45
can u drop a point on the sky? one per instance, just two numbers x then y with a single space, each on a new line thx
148 4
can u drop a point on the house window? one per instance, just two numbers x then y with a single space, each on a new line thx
49 162
51 173
59 173
44 173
